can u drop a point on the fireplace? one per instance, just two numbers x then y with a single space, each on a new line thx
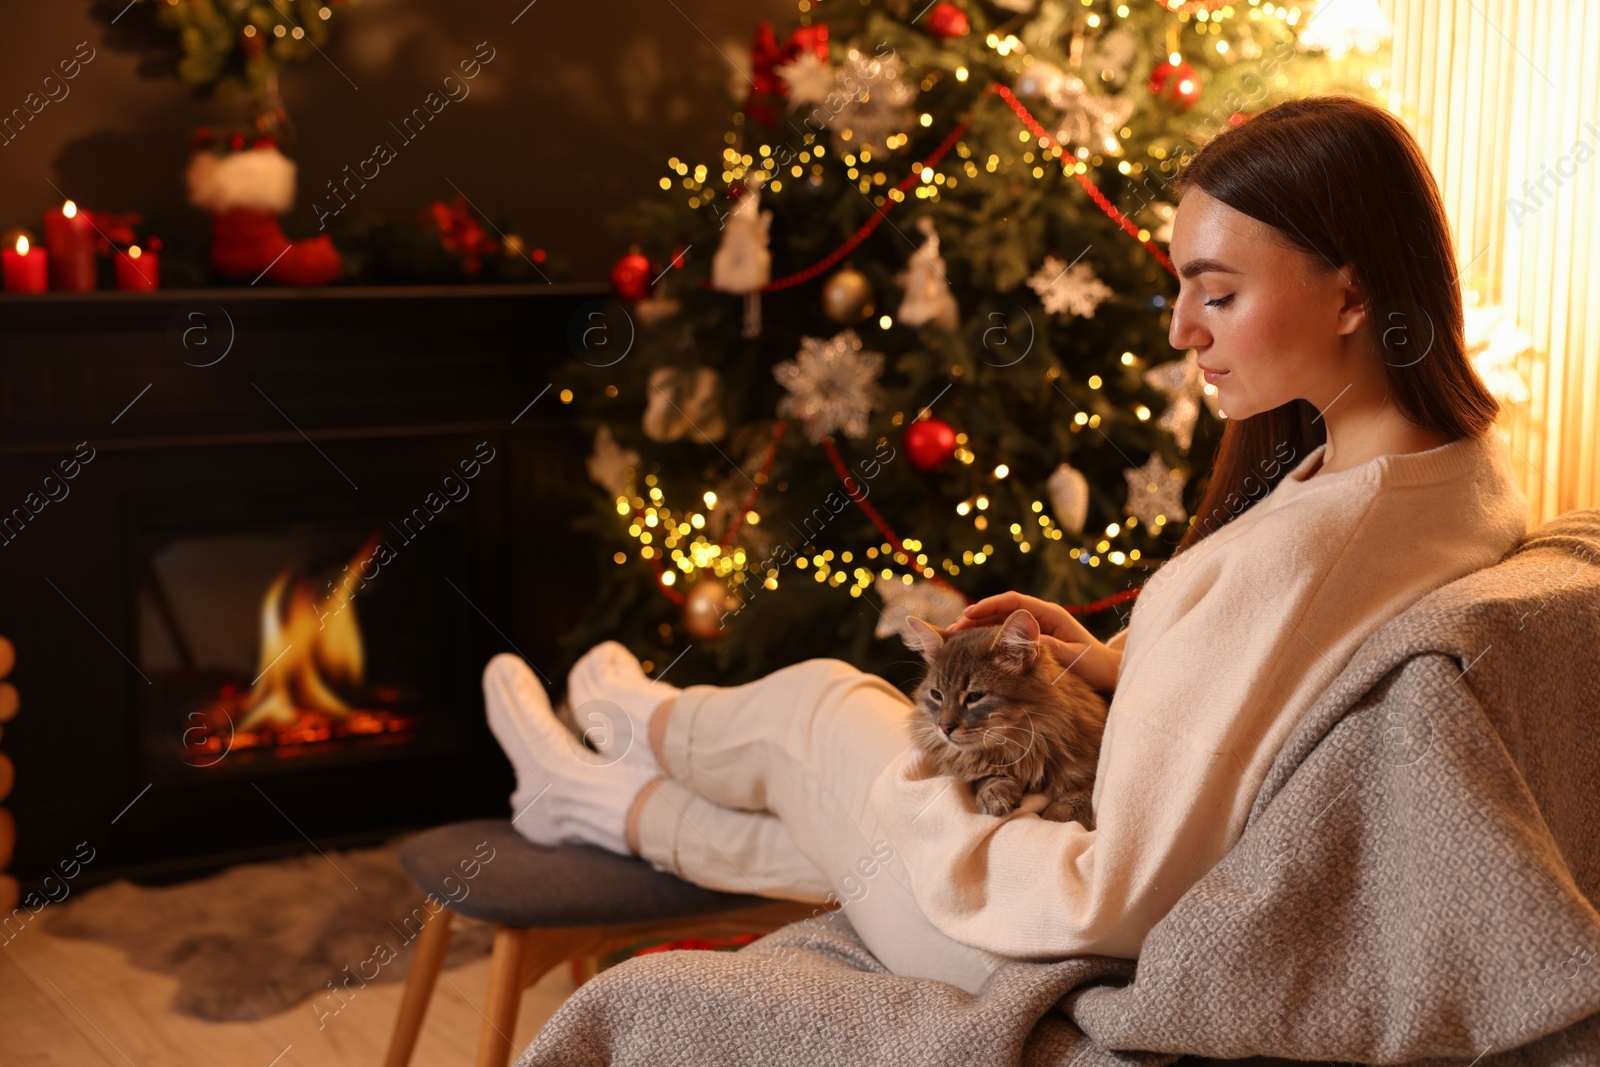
255 620
284 645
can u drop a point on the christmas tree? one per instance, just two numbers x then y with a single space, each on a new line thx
904 344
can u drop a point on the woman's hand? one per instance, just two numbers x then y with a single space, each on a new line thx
1073 646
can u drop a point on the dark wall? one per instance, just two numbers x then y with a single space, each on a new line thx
575 117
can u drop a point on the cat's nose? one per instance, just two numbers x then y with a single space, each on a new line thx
948 728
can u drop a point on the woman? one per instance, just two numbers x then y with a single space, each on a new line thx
1358 471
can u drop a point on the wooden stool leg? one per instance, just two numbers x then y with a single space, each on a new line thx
548 947
505 997
425 966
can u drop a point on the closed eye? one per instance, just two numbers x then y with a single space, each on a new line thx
1221 301
973 698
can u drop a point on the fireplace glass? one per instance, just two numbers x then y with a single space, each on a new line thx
295 644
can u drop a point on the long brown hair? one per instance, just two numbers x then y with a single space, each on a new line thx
1344 181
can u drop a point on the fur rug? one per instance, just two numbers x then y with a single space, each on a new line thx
257 939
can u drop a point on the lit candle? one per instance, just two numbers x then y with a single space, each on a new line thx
70 235
138 270
25 268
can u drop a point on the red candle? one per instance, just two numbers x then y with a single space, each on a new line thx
70 235
25 268
138 271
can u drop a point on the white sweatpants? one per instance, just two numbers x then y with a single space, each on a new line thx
769 796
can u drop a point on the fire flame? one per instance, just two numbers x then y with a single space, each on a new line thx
310 650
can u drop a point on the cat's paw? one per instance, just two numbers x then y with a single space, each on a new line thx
997 796
1073 808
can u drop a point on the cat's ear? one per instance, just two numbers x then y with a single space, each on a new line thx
924 637
1017 642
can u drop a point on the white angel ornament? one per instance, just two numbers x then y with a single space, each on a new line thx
743 263
928 297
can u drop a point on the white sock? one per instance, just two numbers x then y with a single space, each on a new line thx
565 794
607 680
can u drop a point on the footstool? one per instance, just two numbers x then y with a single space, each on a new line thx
549 905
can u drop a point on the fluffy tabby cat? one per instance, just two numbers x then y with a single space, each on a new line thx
998 712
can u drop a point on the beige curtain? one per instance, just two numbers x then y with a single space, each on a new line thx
1504 97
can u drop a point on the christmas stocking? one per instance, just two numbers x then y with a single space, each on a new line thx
245 190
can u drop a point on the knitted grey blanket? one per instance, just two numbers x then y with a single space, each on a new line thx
1414 886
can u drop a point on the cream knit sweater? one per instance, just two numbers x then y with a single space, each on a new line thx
1229 644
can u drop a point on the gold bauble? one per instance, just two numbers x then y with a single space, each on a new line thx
706 608
847 297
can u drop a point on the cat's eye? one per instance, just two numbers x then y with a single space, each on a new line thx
936 695
973 698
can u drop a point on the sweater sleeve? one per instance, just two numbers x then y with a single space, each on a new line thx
1201 707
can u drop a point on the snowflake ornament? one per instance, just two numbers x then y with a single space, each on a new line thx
1071 290
1088 118
1155 489
877 102
833 385
808 78
928 601
1181 380
1179 419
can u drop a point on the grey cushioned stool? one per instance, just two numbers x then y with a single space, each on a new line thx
549 905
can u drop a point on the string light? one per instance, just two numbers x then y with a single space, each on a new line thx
659 532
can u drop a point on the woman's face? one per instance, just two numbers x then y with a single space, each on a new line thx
1261 313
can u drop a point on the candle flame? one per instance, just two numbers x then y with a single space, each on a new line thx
22 246
69 209
134 253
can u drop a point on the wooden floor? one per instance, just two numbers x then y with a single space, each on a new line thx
69 1003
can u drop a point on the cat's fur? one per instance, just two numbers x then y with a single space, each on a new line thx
997 711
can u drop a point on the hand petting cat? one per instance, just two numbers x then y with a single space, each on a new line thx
1073 646
998 712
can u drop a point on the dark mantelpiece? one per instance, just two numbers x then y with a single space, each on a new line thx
401 356
338 406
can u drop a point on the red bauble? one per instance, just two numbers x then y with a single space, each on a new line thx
632 276
1177 83
946 20
930 443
